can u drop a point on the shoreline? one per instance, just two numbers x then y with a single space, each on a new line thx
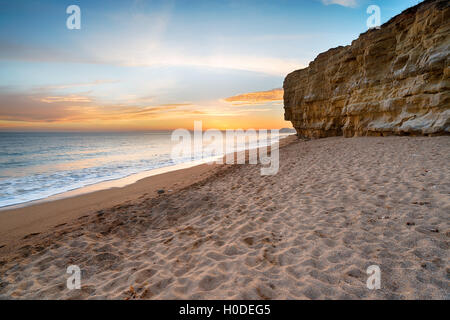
38 216
118 182
105 185
17 223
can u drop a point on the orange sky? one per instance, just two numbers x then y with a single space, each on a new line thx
82 113
148 65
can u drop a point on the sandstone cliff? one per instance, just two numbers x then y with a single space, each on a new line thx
392 80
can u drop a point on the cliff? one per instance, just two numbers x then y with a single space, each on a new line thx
392 80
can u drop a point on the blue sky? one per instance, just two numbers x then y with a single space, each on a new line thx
185 56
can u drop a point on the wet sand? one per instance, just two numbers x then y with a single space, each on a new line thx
37 218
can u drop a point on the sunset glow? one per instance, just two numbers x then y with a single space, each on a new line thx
162 64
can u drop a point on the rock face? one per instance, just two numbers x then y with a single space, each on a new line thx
392 80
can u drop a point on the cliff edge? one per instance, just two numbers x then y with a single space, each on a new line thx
392 80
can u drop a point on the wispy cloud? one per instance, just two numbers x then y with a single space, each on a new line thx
254 98
142 39
69 108
345 3
144 56
77 85
267 65
68 98
146 51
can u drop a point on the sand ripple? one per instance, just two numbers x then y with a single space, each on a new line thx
336 207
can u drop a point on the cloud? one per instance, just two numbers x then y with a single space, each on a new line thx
176 104
142 52
76 85
267 65
13 51
68 98
345 3
254 98
31 111
71 108
143 39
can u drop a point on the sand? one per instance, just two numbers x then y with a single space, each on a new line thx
17 223
335 207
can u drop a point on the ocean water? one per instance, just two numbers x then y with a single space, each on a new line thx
35 166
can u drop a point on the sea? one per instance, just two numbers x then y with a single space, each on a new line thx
39 165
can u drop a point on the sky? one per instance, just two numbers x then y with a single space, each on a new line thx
162 64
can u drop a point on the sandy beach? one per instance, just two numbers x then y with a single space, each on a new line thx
335 207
